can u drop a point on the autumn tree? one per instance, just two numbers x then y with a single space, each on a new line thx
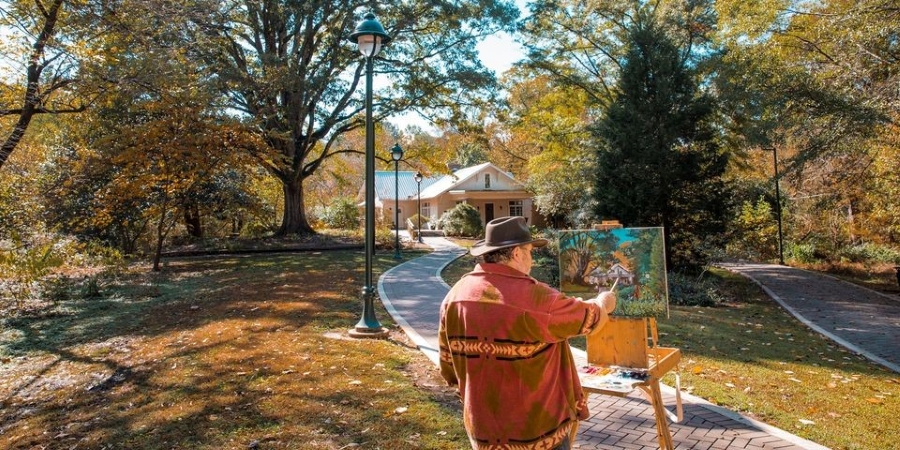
290 70
150 173
158 150
582 44
43 64
575 58
542 138
807 84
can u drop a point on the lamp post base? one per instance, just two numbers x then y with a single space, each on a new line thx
368 333
368 326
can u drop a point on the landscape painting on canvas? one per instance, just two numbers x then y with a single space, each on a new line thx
632 259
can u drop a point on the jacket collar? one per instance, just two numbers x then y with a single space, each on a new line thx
501 269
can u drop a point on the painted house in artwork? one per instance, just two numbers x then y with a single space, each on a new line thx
600 277
492 191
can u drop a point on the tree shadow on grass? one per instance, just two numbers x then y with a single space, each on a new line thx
213 353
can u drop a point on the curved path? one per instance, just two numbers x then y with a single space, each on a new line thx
412 293
864 321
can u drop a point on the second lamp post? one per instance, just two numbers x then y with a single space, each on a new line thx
396 155
418 178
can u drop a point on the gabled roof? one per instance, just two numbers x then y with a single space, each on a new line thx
431 186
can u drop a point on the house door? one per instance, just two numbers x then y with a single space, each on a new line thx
488 212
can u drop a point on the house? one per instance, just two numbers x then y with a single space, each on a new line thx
494 192
600 277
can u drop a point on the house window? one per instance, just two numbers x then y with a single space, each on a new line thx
487 181
515 208
426 209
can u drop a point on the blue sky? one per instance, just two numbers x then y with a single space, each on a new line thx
498 53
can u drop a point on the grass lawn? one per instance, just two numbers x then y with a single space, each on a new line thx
237 352
222 353
751 356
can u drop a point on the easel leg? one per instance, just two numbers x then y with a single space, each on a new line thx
654 394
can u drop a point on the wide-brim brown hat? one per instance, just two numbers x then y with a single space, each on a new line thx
505 232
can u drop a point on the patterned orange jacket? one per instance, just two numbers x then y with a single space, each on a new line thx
503 343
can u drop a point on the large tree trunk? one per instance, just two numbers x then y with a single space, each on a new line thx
192 221
294 220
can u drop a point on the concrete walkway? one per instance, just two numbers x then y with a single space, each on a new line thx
412 293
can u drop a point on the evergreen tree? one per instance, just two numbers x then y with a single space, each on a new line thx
659 163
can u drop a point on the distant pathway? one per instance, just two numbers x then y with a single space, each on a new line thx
862 320
412 293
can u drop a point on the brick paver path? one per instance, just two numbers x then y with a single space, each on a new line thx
860 319
412 293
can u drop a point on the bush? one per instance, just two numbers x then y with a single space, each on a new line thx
756 232
415 219
462 220
34 267
803 253
342 214
692 291
385 238
870 253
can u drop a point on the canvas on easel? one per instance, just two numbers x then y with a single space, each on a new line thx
632 259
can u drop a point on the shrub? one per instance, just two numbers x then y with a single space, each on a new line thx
385 238
34 267
462 220
870 253
342 214
804 253
692 291
415 219
756 232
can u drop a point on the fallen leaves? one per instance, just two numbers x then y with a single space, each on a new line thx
397 411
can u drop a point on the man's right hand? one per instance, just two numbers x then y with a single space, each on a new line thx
607 301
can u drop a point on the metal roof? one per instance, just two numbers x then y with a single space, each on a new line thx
431 186
406 184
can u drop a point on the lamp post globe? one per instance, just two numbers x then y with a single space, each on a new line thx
396 155
418 178
369 36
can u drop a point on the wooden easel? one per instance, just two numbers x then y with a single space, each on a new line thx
631 343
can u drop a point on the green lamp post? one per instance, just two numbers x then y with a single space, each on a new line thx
397 155
369 36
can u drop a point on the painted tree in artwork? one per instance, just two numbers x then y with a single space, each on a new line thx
651 263
583 251
576 252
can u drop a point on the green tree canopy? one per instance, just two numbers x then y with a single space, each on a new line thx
658 163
